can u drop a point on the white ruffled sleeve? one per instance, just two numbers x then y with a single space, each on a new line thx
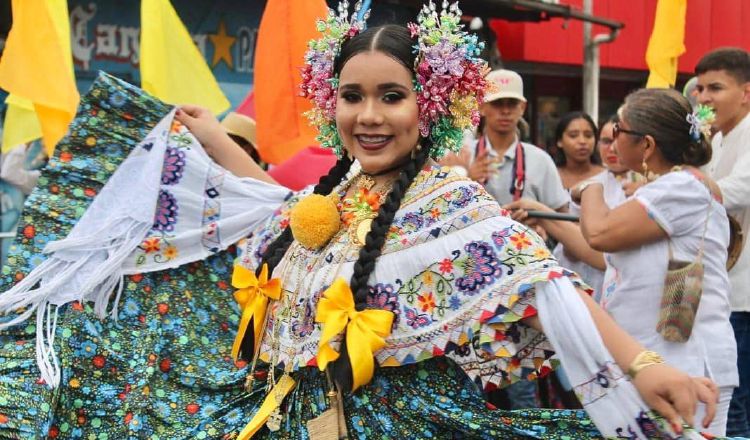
610 399
460 284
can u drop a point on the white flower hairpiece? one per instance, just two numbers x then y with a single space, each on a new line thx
700 121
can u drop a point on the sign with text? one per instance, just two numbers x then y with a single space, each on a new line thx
106 35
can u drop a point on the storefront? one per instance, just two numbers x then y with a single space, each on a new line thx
549 55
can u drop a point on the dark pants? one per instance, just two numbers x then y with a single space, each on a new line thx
739 408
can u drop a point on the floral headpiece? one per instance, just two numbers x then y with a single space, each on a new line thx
700 121
318 81
449 75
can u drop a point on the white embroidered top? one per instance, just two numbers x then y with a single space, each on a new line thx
456 271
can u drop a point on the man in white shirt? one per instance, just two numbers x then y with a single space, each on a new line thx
507 167
724 85
13 169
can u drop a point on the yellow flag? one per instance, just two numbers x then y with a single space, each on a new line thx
172 67
37 45
666 44
21 124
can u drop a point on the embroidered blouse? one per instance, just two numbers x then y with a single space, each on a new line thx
456 271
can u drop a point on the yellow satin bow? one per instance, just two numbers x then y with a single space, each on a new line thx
365 331
252 295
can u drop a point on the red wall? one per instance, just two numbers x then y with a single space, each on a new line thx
710 24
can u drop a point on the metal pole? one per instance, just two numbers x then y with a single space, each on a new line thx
590 66
591 62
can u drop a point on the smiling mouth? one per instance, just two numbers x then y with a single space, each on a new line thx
373 142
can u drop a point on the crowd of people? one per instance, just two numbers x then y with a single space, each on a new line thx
188 294
657 208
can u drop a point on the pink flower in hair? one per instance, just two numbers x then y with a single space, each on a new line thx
413 29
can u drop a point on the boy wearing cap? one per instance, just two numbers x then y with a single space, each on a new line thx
724 85
508 168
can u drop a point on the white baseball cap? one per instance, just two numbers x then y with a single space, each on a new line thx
506 84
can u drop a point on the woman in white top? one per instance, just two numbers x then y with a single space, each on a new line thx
612 180
573 251
674 210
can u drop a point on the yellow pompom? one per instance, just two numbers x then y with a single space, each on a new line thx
314 221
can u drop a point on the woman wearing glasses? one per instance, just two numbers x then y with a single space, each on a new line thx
673 232
573 251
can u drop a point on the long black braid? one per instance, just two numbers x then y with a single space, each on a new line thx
341 369
276 250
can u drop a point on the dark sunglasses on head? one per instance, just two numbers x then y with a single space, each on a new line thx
616 129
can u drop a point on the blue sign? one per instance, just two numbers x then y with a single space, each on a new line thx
105 35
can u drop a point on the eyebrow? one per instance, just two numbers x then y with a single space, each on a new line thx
713 84
384 86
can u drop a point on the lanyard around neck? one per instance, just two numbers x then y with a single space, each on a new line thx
518 181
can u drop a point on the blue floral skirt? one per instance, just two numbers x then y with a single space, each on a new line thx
431 399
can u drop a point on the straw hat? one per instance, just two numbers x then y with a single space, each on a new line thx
240 125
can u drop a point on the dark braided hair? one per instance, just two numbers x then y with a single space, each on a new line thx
341 369
276 250
396 42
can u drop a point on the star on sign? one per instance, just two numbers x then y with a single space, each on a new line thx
222 46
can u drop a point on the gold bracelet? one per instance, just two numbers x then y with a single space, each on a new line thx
644 359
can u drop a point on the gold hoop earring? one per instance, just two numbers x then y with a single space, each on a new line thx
649 175
416 151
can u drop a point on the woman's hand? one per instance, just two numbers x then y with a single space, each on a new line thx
577 191
519 210
204 126
217 143
674 394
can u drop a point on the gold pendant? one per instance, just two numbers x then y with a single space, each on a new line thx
249 382
358 231
274 420
365 182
